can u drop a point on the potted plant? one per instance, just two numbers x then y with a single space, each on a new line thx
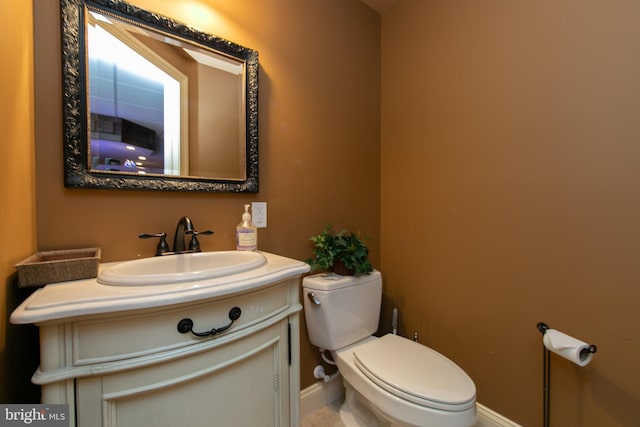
343 253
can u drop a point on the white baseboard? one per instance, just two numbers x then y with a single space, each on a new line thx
489 418
322 393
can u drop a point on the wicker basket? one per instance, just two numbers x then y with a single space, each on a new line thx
58 266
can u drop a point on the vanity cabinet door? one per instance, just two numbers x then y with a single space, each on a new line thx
244 382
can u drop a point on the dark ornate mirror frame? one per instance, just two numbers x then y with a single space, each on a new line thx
74 93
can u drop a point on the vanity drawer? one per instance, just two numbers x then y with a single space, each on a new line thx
128 336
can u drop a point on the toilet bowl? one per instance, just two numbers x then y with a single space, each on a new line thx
408 384
389 381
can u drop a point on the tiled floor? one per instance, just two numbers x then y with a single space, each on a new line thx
327 416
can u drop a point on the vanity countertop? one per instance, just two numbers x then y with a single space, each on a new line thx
61 301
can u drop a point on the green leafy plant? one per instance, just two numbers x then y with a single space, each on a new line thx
346 248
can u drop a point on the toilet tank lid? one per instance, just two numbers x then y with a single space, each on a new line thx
332 281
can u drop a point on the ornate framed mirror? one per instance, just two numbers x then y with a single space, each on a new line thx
150 103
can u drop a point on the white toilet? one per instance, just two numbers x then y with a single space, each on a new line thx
389 381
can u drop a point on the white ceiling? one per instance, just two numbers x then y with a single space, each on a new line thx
379 5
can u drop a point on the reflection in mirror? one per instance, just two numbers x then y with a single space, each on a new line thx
166 106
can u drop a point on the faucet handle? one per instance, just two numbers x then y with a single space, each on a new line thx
194 245
163 246
199 233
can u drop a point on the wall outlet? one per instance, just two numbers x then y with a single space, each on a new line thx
259 214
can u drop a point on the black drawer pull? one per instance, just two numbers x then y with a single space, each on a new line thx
186 325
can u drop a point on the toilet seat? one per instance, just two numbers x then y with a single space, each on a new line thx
415 373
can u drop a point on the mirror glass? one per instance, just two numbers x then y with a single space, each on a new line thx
150 103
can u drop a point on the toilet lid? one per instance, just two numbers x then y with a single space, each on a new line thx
416 373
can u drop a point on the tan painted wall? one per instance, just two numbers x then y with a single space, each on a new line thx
511 195
17 214
318 125
508 166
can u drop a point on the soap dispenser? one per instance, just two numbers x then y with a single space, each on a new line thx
246 233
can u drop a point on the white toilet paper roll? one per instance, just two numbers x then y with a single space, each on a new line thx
568 347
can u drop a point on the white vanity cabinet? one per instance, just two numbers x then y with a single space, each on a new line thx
244 382
118 358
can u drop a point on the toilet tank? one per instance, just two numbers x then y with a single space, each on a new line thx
346 308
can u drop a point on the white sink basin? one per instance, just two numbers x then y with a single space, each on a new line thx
170 269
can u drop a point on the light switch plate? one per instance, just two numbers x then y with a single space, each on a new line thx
259 214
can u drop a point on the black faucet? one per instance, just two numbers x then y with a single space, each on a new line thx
185 227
